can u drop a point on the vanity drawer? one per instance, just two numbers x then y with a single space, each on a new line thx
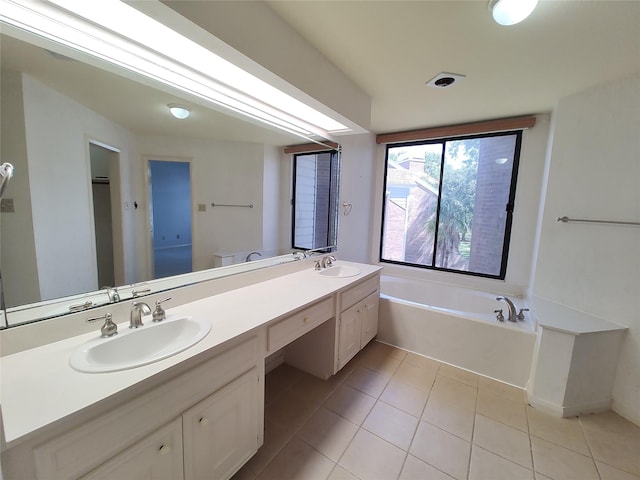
358 292
285 331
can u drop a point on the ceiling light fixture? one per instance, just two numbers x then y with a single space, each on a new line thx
113 31
179 111
510 12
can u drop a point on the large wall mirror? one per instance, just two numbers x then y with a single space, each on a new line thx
110 189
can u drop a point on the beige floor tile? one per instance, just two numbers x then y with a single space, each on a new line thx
502 409
291 410
607 472
442 450
371 458
498 438
505 390
450 417
391 424
405 397
368 381
244 473
451 406
316 388
463 376
560 463
340 473
350 404
447 390
380 357
422 362
328 433
384 349
275 437
539 476
488 466
415 469
561 431
419 377
280 380
298 461
613 440
384 365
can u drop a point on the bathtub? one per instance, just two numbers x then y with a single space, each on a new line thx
457 326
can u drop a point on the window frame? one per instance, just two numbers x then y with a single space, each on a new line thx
509 207
334 186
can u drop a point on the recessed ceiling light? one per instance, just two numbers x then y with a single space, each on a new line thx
510 12
179 111
444 80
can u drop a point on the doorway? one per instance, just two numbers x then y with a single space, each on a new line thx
104 162
170 217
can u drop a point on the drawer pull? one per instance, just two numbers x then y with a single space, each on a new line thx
369 307
305 320
164 449
203 421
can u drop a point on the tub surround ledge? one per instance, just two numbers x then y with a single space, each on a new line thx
575 361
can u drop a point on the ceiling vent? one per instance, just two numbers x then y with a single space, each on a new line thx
444 80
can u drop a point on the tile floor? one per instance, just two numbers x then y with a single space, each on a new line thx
390 414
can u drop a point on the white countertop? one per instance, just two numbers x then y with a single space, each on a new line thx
38 387
554 316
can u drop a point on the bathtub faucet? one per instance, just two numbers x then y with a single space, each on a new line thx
512 309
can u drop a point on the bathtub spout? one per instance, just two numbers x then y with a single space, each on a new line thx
512 309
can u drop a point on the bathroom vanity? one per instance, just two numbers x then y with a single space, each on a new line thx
196 414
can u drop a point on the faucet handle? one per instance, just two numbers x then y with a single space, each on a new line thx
520 315
159 314
499 316
109 329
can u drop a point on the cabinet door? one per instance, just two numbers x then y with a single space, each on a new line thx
369 314
221 432
156 457
349 334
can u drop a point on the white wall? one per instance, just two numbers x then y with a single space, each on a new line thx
271 211
19 268
595 174
357 187
58 130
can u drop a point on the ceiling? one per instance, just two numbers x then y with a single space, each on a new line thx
391 48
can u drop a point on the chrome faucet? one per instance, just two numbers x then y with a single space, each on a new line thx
112 293
138 309
327 261
248 259
512 309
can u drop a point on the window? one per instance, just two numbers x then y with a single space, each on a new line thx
315 199
448 203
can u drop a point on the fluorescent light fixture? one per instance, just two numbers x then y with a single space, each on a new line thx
510 12
113 31
179 111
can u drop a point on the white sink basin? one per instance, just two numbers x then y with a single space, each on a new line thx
134 348
339 271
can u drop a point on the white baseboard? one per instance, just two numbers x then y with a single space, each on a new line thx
566 411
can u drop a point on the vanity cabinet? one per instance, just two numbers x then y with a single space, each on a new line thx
158 456
358 322
211 416
220 433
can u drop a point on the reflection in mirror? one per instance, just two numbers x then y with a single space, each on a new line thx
82 140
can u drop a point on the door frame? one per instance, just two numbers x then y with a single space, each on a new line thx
147 189
117 214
